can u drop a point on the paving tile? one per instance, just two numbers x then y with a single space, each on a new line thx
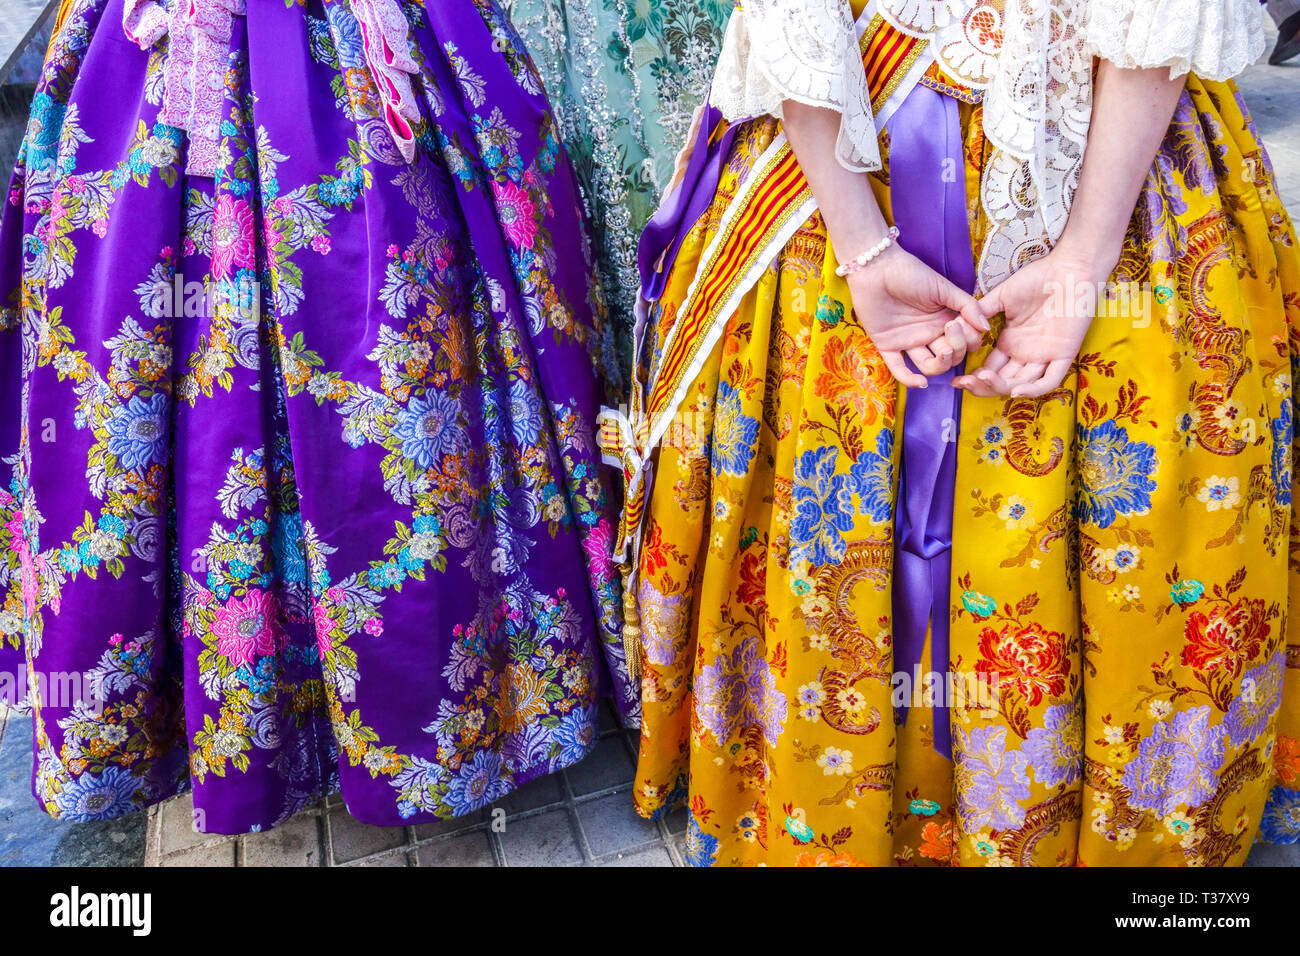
294 843
469 849
608 766
176 830
534 794
437 828
388 859
677 820
650 856
612 825
544 840
1272 854
351 839
221 854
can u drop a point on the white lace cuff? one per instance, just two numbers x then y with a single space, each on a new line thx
802 50
1215 39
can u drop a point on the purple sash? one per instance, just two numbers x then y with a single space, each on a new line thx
682 208
928 194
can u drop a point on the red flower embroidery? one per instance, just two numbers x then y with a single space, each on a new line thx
1227 638
1028 658
753 582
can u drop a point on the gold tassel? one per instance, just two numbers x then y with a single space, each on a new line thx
631 627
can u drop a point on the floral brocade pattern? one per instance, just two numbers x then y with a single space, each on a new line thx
1124 670
309 499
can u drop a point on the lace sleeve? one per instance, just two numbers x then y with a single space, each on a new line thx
802 50
1216 39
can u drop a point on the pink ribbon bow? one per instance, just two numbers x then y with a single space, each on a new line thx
194 77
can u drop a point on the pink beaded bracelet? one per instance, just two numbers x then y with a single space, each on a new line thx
862 261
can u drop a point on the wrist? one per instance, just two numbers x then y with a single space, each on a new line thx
1096 255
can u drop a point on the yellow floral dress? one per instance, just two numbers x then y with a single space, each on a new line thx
1124 681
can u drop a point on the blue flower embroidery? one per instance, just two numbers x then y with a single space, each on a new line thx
138 431
428 428
44 127
347 36
701 847
873 479
734 433
100 796
823 506
288 552
576 734
1187 591
525 413
1281 820
1281 464
478 784
1115 475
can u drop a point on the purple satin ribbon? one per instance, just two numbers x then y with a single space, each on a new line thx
928 194
682 208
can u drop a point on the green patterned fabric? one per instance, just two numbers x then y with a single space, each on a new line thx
624 78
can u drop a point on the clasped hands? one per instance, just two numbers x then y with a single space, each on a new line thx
911 311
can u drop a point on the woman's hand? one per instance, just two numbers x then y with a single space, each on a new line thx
1049 306
910 310
906 307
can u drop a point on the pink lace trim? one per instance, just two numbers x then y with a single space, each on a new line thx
385 35
199 32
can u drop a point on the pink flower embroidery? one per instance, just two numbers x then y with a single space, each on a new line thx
515 211
247 627
321 244
374 627
599 546
232 236
324 624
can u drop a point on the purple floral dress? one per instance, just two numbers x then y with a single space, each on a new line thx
301 354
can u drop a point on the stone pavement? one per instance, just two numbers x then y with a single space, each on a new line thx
582 816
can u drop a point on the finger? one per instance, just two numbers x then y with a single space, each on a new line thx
965 304
944 350
993 380
1053 375
926 360
955 334
996 359
1010 372
974 385
991 304
898 368
1031 372
970 335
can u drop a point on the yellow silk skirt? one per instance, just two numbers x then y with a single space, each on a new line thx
1123 677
